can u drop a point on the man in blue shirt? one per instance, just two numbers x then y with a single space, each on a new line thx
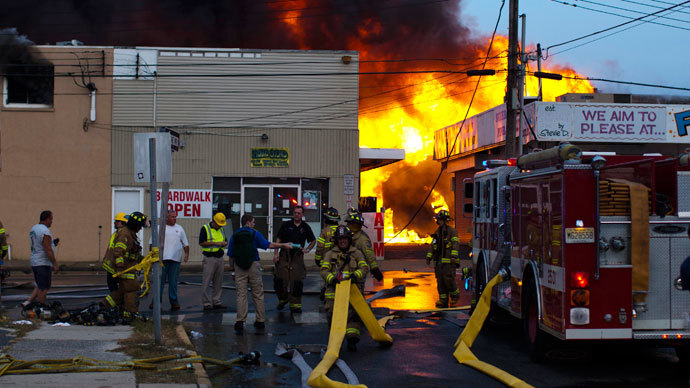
244 258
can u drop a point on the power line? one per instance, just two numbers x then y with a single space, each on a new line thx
613 27
631 11
651 6
627 83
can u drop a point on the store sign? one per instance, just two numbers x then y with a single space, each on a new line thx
270 157
374 223
188 203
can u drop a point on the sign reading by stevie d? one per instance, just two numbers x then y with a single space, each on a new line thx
270 157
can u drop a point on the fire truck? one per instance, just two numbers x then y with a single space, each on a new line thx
593 243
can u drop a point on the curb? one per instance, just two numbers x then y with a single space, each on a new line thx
202 379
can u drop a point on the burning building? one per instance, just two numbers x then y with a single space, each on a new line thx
410 63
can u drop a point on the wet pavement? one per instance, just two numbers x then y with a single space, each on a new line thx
423 342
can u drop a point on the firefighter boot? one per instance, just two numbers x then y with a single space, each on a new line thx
454 297
442 303
352 344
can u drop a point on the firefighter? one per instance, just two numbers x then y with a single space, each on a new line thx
325 241
362 242
119 223
343 262
289 271
124 253
3 243
444 252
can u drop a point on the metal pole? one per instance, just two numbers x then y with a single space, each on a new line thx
154 242
512 81
161 234
539 67
521 85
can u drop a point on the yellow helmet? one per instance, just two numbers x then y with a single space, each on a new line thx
219 218
121 216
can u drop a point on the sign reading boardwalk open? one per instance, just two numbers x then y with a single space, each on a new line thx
270 157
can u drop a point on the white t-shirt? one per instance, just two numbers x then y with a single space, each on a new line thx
175 241
38 253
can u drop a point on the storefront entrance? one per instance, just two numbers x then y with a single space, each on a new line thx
270 205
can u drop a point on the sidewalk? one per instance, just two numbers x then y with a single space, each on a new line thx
75 341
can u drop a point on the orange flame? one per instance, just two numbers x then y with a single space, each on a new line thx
436 104
408 117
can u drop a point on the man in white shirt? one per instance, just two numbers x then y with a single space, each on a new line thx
42 256
175 245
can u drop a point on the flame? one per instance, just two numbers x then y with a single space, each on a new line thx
437 104
406 113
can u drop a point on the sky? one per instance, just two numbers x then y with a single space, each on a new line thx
647 53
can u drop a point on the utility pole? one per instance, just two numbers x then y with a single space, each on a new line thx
512 80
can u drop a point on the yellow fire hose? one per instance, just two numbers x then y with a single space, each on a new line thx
343 299
10 366
145 266
463 344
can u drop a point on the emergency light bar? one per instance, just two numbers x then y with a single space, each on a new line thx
493 163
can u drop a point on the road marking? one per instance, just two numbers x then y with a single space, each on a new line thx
310 317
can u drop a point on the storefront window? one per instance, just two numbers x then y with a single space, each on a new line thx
315 201
227 200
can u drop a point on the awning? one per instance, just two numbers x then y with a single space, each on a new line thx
371 158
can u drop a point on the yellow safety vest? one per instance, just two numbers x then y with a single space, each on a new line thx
213 235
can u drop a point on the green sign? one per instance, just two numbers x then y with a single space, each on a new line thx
270 157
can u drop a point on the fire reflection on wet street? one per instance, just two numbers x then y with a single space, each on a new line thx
420 290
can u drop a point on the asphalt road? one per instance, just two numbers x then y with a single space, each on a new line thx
421 355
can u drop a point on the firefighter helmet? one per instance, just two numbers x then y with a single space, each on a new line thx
442 215
136 220
355 218
342 232
332 215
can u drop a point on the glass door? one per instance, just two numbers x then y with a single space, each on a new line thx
256 201
285 198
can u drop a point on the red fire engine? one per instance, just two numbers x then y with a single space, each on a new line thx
593 243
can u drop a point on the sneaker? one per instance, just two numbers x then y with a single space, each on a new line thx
260 325
208 308
239 327
219 307
174 306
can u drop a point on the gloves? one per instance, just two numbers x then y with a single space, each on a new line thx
333 280
376 273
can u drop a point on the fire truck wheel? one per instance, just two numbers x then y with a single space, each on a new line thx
683 353
534 337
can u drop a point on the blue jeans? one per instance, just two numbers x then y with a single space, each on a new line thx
171 272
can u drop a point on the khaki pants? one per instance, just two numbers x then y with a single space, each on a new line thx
212 272
251 277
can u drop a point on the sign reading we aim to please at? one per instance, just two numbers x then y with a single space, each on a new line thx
270 157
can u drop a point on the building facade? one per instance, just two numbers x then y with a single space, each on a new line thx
260 131
55 141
